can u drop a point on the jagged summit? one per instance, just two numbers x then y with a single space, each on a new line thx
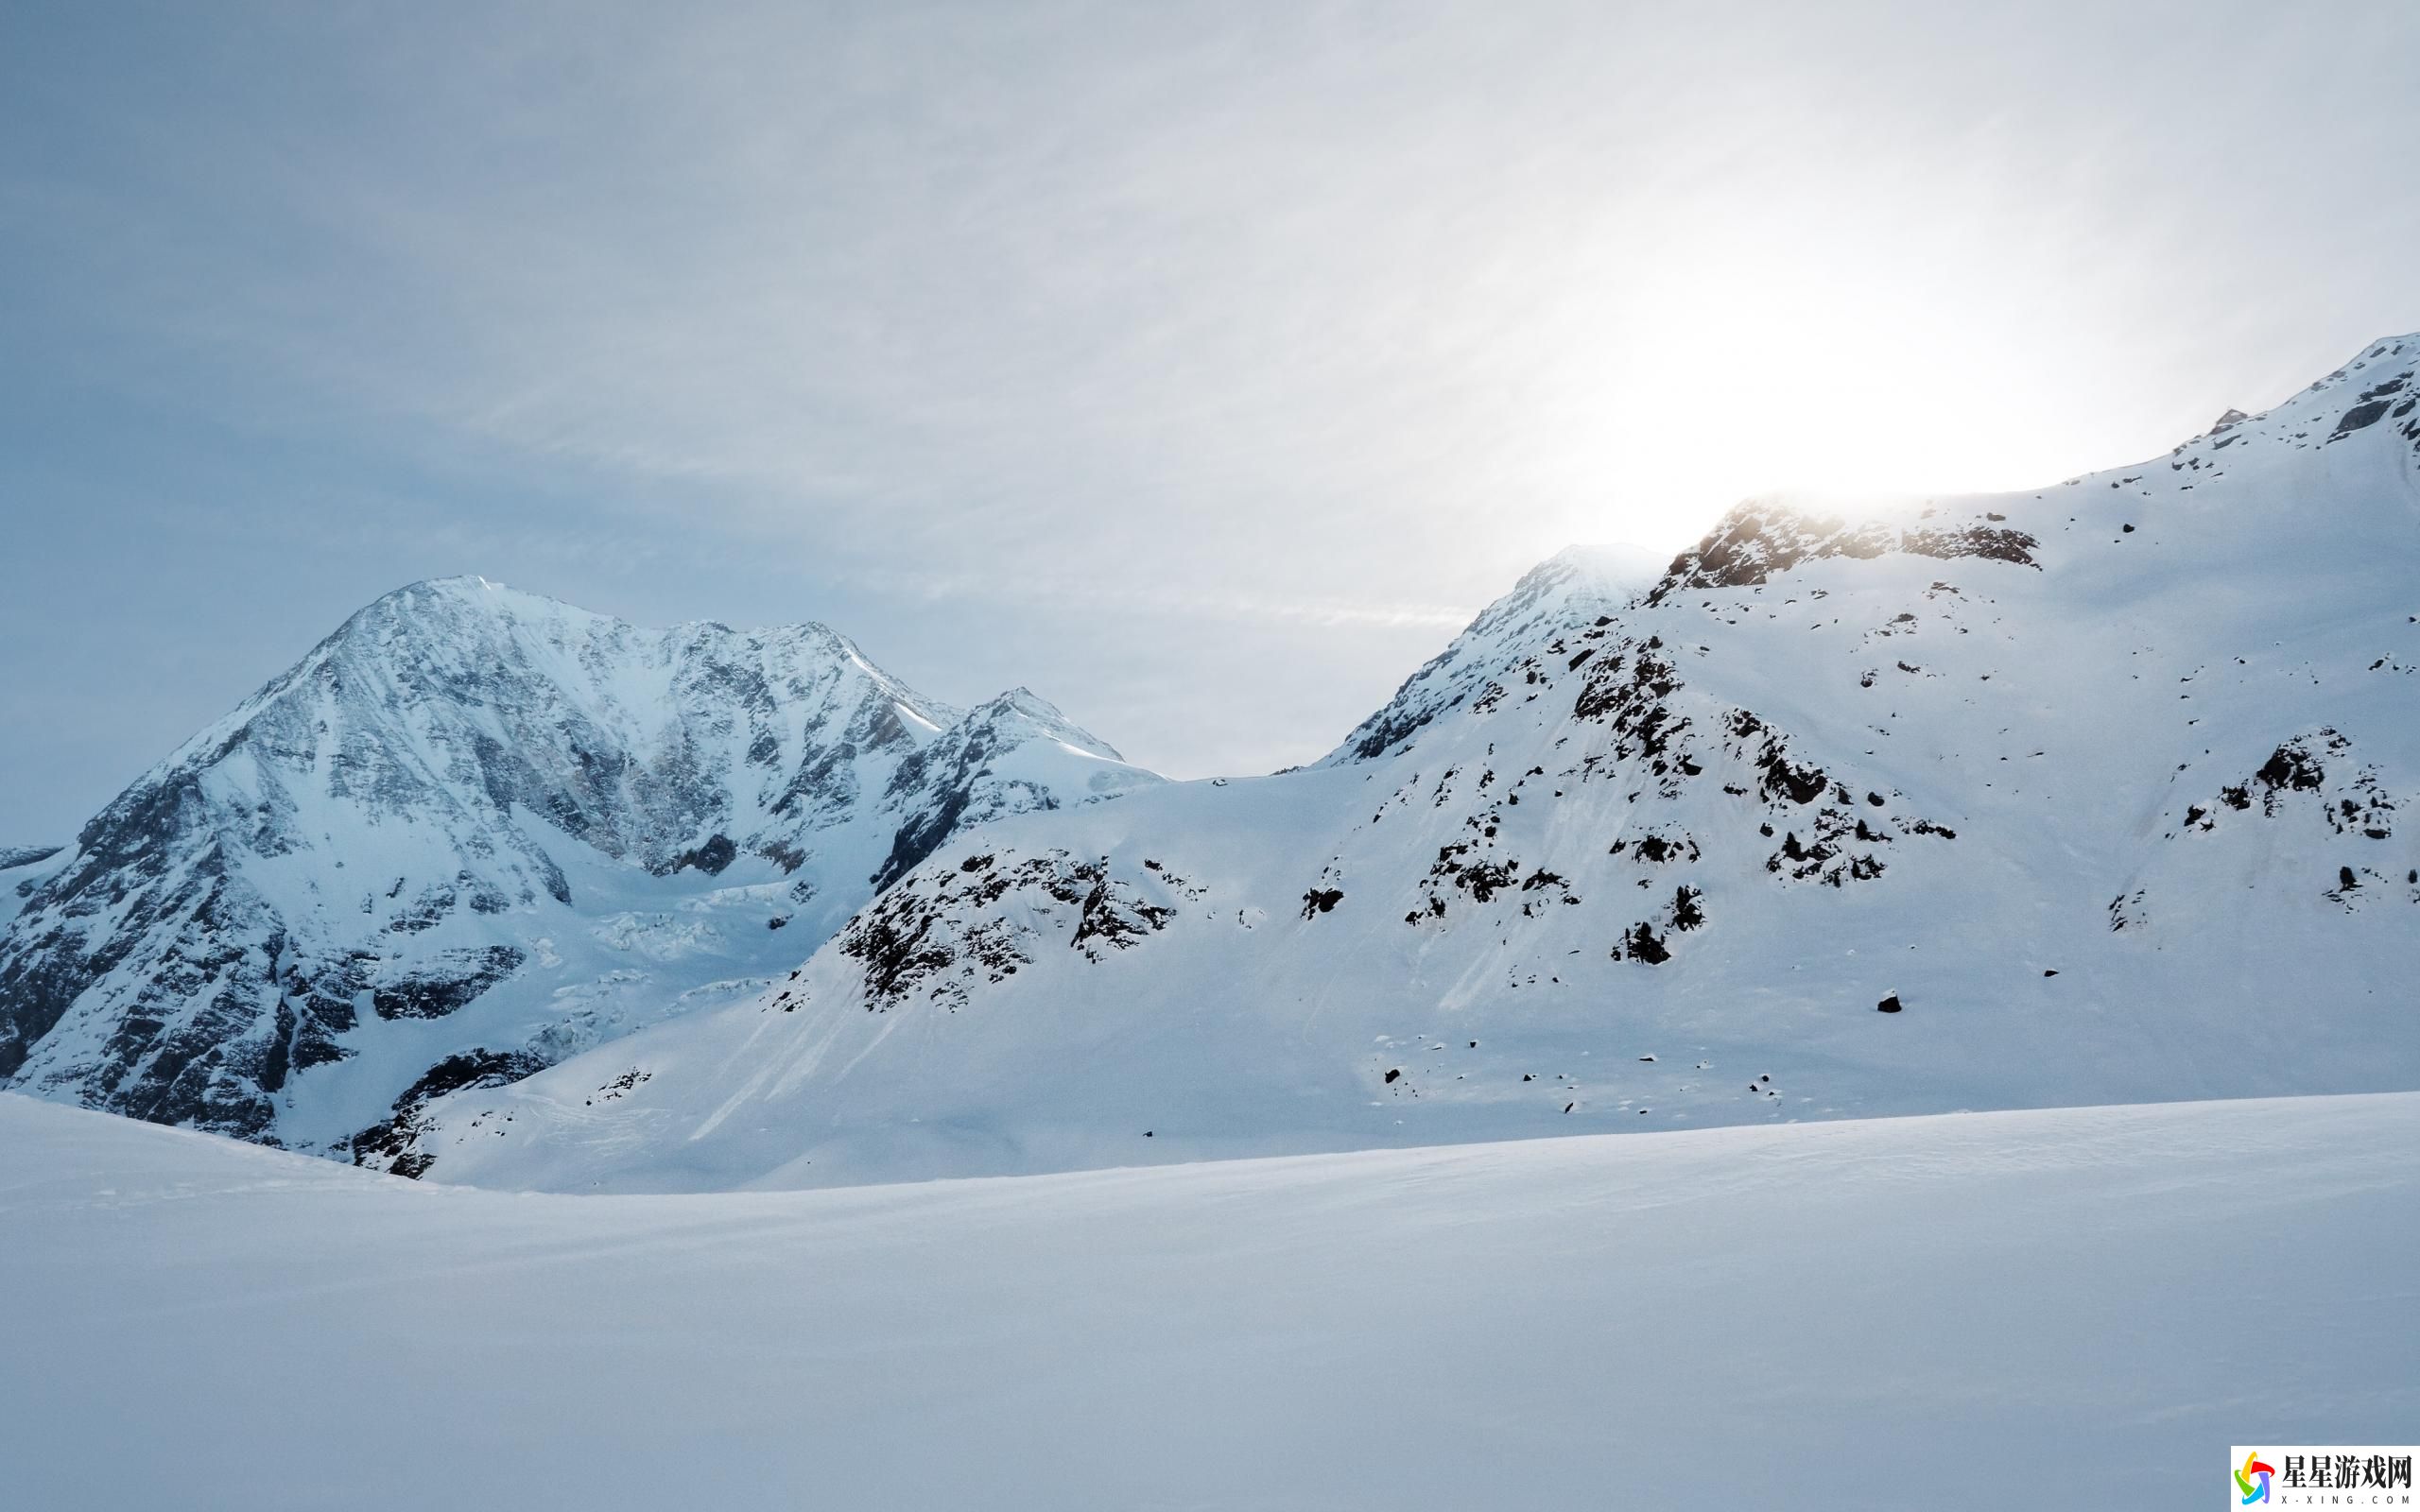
1579 582
2373 386
1014 754
473 645
473 830
438 608
2391 350
1024 705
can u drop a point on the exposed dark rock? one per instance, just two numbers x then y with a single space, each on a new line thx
890 940
710 858
2361 417
445 985
1116 916
1687 915
1643 944
919 837
1755 542
1321 900
389 1144
2291 766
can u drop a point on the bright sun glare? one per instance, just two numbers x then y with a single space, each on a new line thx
1754 368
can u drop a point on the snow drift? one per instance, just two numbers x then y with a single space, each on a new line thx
1910 1312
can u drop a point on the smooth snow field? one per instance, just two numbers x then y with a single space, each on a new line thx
2078 1307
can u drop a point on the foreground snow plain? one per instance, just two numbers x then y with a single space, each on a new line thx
2075 1307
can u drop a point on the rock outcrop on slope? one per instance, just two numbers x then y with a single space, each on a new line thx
2108 786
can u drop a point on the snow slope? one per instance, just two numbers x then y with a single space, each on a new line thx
2103 792
1973 1312
473 831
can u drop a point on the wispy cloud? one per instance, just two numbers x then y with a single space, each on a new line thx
1325 318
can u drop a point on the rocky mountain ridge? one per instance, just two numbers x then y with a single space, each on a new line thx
474 831
2092 793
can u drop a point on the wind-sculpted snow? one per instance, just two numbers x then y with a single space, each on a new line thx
1898 1313
477 823
2095 791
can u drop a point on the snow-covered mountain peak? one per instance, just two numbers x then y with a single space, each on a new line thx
1608 572
475 829
1578 585
1011 754
437 608
2376 388
451 611
2363 368
1021 708
2086 793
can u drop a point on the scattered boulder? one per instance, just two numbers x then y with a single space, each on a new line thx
2361 417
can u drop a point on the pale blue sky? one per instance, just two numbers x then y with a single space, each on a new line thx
1201 366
